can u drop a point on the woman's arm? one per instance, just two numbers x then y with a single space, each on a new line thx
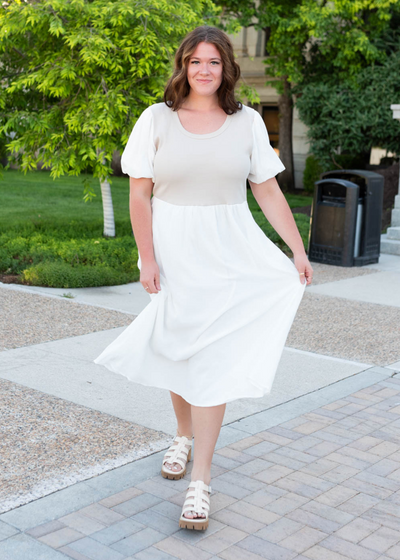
141 219
277 211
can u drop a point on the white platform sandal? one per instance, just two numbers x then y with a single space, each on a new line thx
177 453
198 502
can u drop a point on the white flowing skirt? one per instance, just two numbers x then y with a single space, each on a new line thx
216 330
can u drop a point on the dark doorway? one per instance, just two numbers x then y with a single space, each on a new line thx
270 114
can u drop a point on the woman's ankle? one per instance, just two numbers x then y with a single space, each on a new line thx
205 477
185 433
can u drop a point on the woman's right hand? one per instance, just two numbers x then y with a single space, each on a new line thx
150 277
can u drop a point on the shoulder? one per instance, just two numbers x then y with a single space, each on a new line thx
157 117
249 111
158 110
248 114
153 114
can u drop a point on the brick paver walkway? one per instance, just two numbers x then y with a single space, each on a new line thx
324 485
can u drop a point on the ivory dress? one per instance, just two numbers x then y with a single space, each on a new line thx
216 330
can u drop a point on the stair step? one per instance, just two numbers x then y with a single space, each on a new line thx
396 217
393 233
390 246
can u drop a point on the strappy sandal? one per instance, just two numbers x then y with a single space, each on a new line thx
177 453
198 502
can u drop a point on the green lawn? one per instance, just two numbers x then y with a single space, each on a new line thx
36 199
50 236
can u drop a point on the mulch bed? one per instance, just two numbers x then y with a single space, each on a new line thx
10 279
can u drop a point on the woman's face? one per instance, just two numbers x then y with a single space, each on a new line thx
204 72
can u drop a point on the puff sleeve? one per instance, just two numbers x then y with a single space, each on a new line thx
265 163
137 159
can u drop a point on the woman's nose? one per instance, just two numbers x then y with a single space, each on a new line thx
204 69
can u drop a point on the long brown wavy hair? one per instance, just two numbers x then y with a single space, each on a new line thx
178 86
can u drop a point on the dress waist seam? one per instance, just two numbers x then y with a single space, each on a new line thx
196 205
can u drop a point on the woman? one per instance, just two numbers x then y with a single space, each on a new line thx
223 296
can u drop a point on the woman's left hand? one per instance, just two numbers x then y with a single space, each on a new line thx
304 267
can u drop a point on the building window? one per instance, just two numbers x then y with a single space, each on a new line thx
260 38
270 114
267 35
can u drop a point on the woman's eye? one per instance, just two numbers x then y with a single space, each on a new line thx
213 62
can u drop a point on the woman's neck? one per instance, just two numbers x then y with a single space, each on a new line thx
200 103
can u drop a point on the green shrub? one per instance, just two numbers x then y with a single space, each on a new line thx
312 173
352 161
63 275
107 260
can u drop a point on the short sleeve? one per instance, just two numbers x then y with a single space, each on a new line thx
137 159
265 162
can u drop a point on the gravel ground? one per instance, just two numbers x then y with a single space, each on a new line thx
366 332
47 444
31 319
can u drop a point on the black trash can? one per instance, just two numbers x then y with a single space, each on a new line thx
333 219
371 192
346 222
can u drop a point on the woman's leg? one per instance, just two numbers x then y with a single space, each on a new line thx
207 423
184 423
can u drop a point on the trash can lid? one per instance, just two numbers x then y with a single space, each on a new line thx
336 182
360 172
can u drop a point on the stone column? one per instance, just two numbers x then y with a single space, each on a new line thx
390 241
396 210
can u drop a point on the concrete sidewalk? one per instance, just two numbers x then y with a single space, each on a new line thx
325 442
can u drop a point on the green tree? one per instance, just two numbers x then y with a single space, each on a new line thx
352 117
76 75
308 40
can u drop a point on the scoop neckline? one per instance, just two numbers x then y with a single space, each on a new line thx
208 134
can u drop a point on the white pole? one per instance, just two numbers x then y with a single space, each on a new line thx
108 209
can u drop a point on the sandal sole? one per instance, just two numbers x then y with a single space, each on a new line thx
195 525
175 476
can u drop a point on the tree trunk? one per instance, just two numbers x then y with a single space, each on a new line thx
285 104
108 210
